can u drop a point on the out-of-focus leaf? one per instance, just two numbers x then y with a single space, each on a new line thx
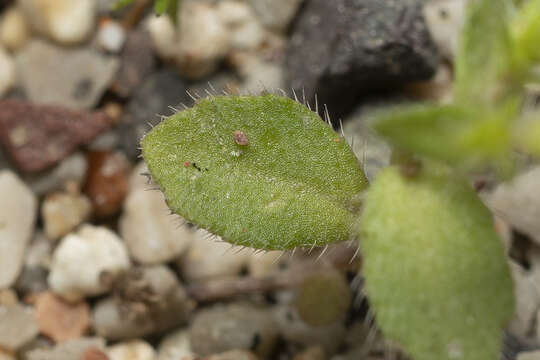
525 30
161 6
435 269
527 135
119 4
463 136
484 54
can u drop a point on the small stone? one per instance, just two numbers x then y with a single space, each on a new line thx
70 170
63 212
93 353
106 182
147 300
60 320
158 95
132 350
203 39
80 75
137 61
37 260
529 355
235 326
111 36
311 353
80 260
17 326
17 217
6 355
518 202
8 297
163 35
246 33
39 136
266 263
65 21
276 14
343 49
295 331
14 29
7 72
69 350
437 89
445 19
175 346
233 355
208 258
151 233
257 74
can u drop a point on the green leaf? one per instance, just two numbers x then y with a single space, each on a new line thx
525 30
435 270
161 6
459 135
527 135
259 171
173 10
119 4
485 53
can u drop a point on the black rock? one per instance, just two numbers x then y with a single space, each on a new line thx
160 94
342 50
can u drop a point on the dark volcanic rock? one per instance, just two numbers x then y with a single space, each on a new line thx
344 49
158 95
38 136
137 62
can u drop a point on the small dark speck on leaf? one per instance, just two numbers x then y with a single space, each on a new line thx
187 164
240 138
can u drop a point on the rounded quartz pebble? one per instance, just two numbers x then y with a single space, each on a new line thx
14 29
132 350
81 259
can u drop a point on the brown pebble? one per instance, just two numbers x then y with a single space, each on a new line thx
106 182
59 319
37 137
240 138
93 353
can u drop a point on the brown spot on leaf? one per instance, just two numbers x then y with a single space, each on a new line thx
187 164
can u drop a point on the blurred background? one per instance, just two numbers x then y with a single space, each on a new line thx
93 266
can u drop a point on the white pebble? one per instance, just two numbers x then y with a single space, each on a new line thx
65 21
63 212
163 35
17 215
111 36
444 19
209 257
14 30
82 257
132 350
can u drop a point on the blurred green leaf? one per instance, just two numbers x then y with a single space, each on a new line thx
119 4
161 6
462 136
525 30
527 135
485 52
436 274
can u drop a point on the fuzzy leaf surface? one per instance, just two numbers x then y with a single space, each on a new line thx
295 182
434 266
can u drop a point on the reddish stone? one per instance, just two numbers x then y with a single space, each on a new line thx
37 137
106 182
60 320
93 353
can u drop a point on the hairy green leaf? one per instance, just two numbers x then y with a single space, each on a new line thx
485 52
463 136
435 270
260 171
